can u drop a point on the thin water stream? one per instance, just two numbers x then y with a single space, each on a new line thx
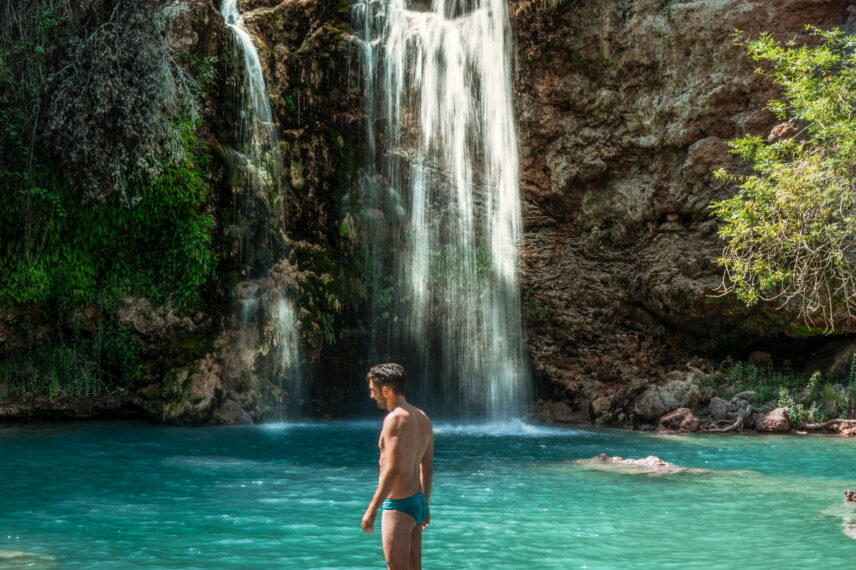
260 166
512 496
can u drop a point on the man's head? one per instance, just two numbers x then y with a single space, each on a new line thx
386 380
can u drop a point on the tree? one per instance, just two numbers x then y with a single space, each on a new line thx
790 229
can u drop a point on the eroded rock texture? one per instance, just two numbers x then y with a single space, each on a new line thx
283 243
625 109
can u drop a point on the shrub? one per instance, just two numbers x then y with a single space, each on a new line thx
790 230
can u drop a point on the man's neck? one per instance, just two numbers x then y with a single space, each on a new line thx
395 401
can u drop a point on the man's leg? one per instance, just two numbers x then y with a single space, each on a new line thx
416 548
397 531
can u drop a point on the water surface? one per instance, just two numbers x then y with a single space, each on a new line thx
126 495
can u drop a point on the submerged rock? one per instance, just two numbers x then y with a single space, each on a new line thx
652 465
21 559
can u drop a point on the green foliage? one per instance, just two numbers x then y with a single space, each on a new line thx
812 399
797 414
133 133
111 359
790 230
743 376
154 244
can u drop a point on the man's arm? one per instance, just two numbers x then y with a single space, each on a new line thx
426 468
391 468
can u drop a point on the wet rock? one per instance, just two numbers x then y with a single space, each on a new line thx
232 414
651 465
680 420
774 422
559 412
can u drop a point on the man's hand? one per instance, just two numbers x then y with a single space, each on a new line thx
424 525
368 521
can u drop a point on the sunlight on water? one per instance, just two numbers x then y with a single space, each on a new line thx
507 496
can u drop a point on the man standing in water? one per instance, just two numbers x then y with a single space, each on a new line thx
406 469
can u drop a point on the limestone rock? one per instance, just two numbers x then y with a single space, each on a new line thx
232 413
601 406
774 422
748 396
605 143
658 400
680 420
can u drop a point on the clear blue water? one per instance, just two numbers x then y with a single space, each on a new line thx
125 495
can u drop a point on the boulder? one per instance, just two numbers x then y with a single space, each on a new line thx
680 420
656 401
774 422
601 406
760 359
718 408
748 396
736 405
232 414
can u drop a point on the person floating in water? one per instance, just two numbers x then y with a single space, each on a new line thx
406 470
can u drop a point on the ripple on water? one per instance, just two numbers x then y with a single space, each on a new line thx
501 502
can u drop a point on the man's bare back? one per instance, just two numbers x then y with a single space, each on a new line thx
406 470
409 429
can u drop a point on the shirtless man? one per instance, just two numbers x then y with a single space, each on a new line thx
406 469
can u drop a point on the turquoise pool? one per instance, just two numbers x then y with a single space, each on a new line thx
128 495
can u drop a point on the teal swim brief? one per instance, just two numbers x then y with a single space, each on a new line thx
415 505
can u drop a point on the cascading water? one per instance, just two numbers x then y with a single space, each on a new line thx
258 159
441 205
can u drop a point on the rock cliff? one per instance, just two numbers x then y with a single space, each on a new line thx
625 109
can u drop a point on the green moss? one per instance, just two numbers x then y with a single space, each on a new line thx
153 242
805 331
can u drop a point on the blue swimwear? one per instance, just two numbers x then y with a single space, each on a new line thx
415 505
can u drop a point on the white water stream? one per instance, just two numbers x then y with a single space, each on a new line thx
262 163
442 201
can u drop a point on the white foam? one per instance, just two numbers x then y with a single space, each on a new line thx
515 427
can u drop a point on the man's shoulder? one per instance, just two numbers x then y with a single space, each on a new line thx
396 419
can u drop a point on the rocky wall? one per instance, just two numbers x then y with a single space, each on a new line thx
625 109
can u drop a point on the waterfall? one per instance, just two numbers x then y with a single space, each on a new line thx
259 160
441 202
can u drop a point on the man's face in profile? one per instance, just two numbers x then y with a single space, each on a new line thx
376 394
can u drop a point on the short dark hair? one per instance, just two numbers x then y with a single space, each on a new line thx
388 374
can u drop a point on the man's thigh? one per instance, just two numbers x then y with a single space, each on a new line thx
397 530
416 548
